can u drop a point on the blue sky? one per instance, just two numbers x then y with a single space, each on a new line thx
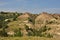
33 6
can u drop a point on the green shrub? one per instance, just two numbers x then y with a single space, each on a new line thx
49 35
18 33
30 33
3 33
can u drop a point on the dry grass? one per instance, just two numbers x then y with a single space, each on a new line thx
27 38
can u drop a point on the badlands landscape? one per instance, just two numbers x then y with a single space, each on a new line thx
44 26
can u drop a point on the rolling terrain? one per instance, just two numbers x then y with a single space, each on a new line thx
45 25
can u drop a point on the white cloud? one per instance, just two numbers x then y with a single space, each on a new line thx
51 10
37 10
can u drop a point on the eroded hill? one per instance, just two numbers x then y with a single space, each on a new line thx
27 24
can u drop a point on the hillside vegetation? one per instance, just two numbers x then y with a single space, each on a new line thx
13 24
